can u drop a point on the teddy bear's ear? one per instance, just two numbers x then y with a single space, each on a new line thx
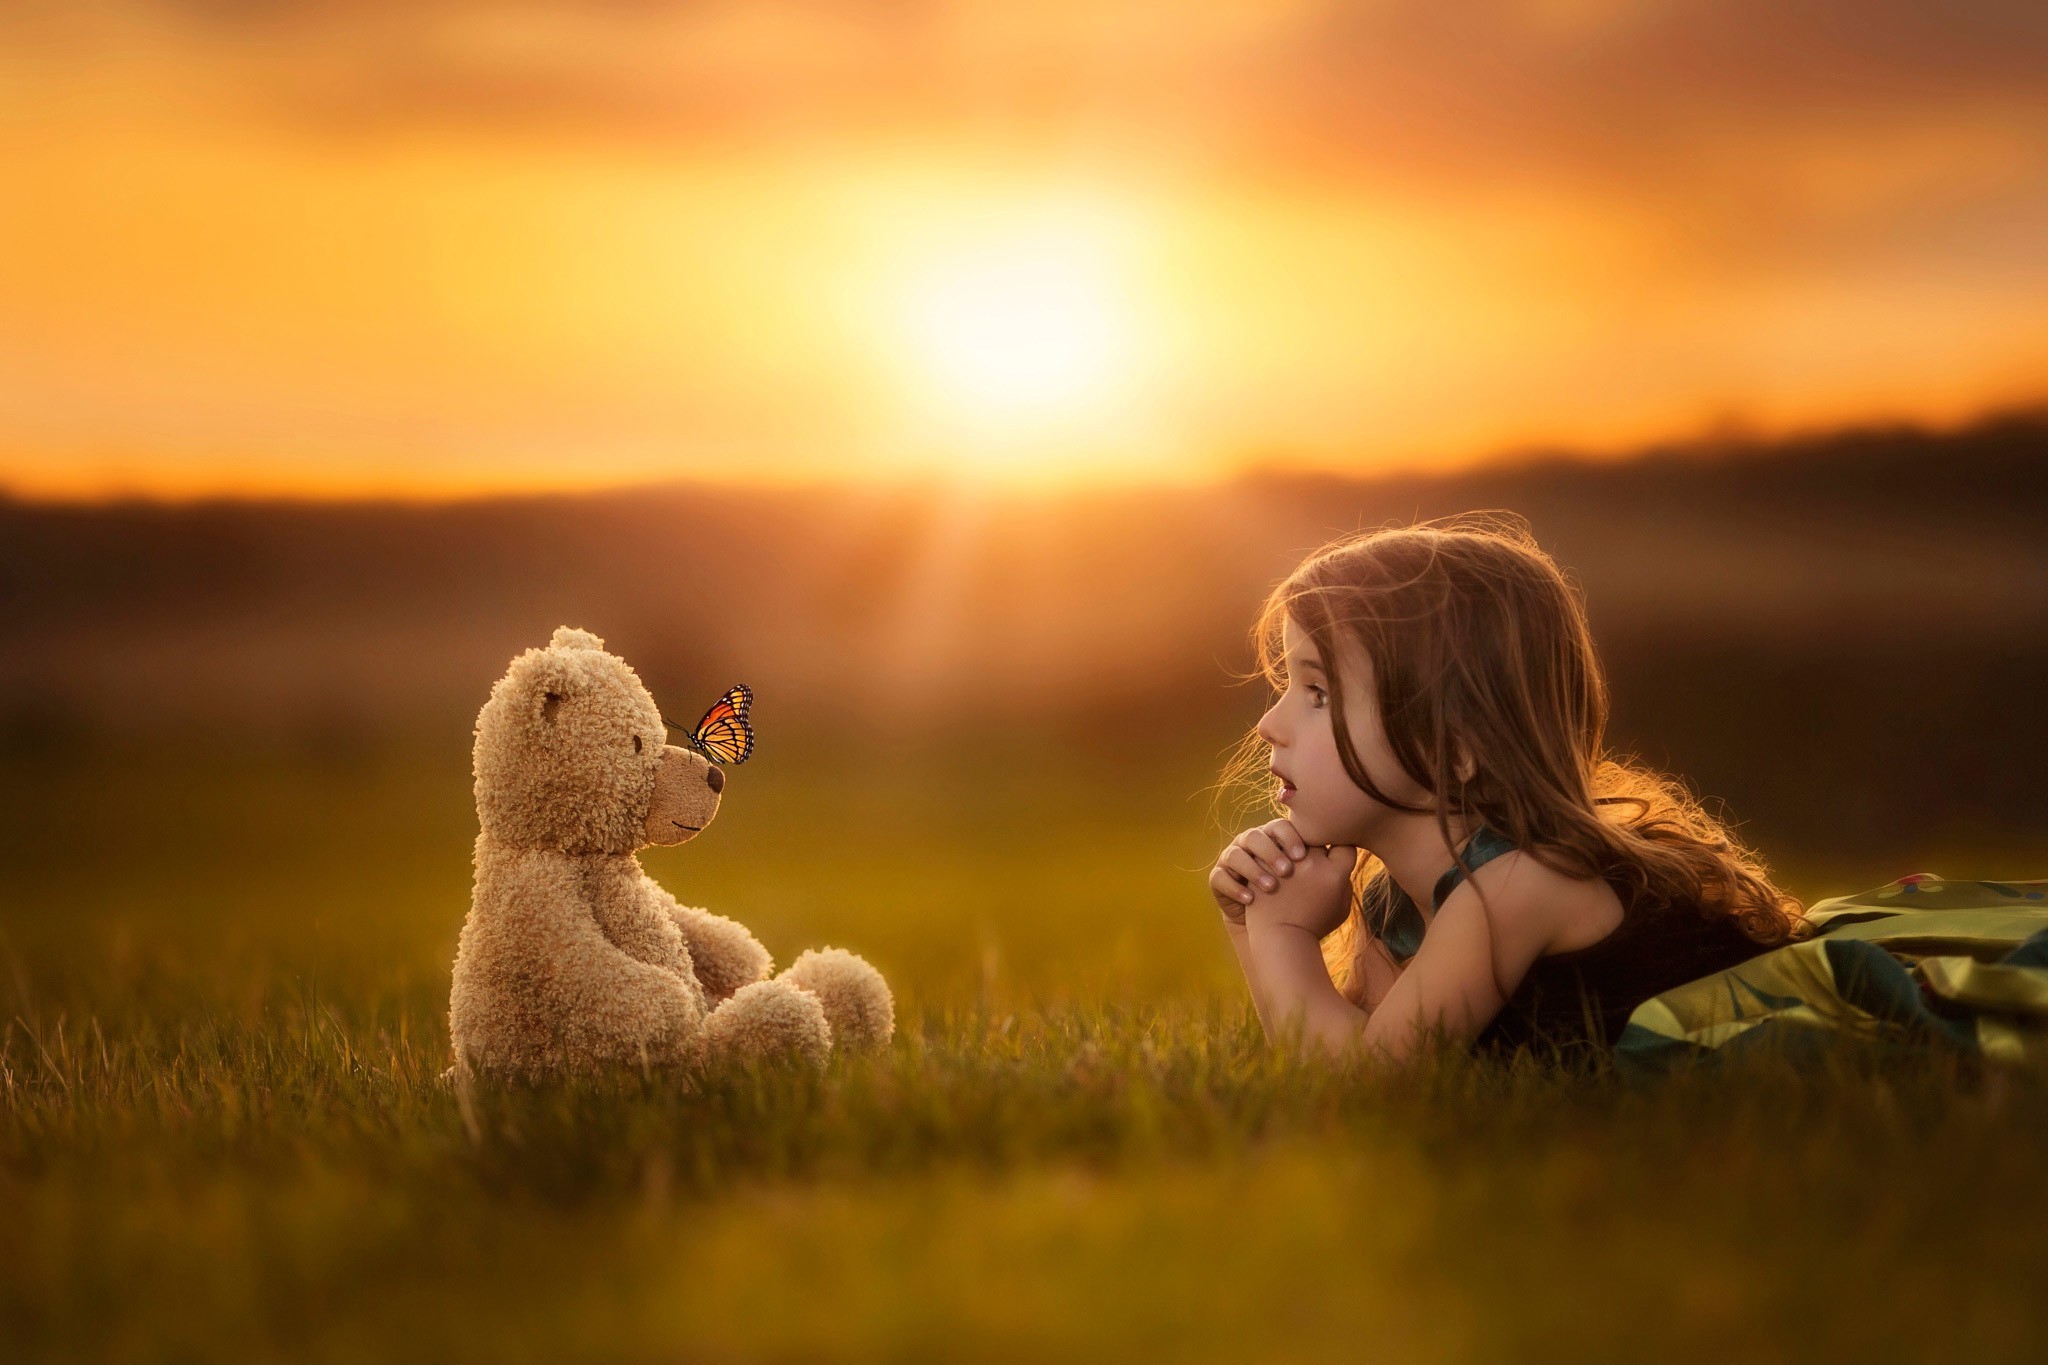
568 637
548 685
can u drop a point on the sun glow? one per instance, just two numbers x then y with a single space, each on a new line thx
1033 324
1020 326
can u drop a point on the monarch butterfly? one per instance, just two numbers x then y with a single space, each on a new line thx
724 734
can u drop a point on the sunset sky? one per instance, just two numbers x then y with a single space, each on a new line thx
418 246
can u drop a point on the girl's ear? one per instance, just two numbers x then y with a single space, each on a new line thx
1462 764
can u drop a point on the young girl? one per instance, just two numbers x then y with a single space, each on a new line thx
1460 858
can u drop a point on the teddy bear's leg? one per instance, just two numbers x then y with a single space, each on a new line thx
767 1018
856 998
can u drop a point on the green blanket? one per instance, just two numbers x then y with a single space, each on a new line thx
1952 963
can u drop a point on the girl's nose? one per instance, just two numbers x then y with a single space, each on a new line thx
1266 728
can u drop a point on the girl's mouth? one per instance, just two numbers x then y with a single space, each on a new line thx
1286 792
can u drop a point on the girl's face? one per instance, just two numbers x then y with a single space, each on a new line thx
1326 806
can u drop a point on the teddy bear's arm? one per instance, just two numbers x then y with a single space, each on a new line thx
611 1003
725 954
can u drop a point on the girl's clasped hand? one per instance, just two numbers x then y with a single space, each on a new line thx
1271 875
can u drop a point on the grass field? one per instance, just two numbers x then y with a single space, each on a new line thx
226 979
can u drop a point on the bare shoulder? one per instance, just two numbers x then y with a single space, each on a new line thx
1534 910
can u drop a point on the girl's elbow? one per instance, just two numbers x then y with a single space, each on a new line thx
1338 1032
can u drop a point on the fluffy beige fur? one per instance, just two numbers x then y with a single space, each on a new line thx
573 957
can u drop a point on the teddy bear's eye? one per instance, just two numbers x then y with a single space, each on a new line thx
636 744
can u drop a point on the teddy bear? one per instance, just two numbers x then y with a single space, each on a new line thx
572 957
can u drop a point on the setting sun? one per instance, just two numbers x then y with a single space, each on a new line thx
1032 324
1021 324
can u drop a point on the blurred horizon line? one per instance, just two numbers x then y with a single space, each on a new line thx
1728 436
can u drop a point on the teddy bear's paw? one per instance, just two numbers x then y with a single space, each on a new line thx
856 998
769 1018
723 953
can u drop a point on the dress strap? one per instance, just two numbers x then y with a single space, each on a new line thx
1483 847
1401 925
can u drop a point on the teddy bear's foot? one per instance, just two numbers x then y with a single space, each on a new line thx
856 998
768 1018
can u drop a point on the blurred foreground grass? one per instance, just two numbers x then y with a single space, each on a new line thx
221 1135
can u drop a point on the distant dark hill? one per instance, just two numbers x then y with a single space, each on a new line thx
1850 629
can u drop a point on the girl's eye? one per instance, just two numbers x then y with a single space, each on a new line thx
1317 698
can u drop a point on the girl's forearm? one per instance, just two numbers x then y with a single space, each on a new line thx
1288 963
1240 943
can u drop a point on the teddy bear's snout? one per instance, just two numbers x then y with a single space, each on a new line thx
685 796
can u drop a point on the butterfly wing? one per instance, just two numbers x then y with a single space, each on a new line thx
725 732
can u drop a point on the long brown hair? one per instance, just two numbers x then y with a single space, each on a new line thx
1479 641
